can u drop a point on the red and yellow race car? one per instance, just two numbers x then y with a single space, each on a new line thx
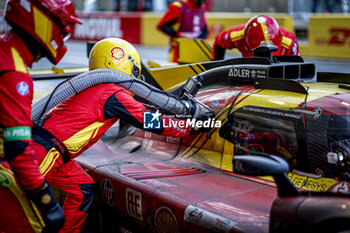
152 183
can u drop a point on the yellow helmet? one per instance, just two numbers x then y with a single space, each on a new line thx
115 53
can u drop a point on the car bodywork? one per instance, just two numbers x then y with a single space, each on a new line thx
321 109
164 184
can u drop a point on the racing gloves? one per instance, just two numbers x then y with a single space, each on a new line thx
218 52
201 113
51 211
199 110
204 117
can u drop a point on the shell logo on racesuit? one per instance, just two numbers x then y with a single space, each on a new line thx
117 53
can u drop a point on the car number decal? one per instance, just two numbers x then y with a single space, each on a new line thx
207 219
342 187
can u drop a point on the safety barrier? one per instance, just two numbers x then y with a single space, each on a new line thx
328 36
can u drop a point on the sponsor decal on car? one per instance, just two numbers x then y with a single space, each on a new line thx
134 203
274 112
246 73
165 221
172 139
106 188
341 187
207 219
312 184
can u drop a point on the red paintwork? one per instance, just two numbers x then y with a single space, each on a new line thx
337 104
177 183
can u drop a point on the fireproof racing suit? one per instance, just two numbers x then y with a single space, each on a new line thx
16 94
234 38
15 206
74 126
183 19
16 144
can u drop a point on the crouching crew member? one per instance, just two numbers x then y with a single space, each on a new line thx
80 121
247 37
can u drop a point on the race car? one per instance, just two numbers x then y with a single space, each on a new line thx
266 106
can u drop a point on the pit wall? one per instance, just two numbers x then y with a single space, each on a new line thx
328 34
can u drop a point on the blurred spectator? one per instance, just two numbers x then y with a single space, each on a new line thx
246 37
117 5
184 18
147 5
132 5
317 3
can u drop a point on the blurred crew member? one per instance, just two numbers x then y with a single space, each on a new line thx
247 37
80 121
184 18
38 30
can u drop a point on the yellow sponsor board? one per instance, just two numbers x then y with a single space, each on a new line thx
150 35
328 36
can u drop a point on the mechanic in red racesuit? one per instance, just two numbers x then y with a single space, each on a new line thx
38 29
184 18
80 121
248 36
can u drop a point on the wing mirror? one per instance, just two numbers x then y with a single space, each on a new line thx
266 165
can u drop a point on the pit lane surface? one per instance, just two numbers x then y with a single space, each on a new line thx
76 57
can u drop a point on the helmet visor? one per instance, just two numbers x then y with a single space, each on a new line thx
136 71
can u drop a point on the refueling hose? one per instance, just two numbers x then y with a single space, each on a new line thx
83 81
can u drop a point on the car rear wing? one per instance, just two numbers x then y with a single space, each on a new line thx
260 72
